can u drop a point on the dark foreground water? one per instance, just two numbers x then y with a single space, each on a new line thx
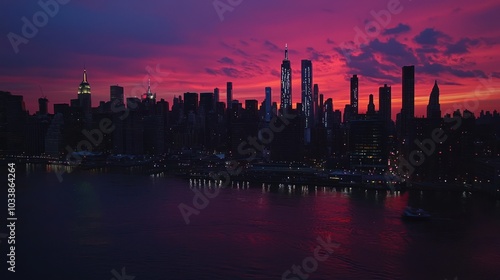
91 224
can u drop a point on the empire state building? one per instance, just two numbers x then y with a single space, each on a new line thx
84 96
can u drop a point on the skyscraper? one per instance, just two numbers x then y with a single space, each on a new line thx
354 95
43 106
216 95
190 102
408 91
316 114
116 95
321 109
371 106
307 98
229 92
148 96
268 104
286 83
407 128
384 103
434 108
207 102
84 96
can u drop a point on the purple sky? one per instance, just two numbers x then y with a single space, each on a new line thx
189 46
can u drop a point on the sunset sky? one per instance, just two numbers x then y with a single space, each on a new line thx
190 46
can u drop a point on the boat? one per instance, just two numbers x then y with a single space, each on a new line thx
415 214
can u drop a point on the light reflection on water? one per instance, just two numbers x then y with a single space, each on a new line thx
92 223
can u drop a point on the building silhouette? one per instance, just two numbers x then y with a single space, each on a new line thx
384 103
434 108
307 98
267 105
408 98
371 106
229 93
116 95
286 83
43 106
84 94
354 94
190 102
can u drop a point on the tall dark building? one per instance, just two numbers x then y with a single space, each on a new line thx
408 92
384 103
328 115
207 102
216 96
407 131
116 94
321 109
84 95
286 83
354 95
371 106
190 102
13 117
316 104
229 92
307 98
267 104
43 106
434 108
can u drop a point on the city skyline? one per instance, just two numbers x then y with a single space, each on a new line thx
200 55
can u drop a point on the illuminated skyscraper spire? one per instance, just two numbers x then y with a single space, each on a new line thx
85 75
149 96
286 83
84 96
84 87
149 85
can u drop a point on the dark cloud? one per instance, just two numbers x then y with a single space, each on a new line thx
450 83
430 36
399 29
229 72
437 69
235 49
461 47
380 60
315 55
366 64
226 60
271 46
397 53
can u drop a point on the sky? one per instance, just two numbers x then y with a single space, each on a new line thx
198 45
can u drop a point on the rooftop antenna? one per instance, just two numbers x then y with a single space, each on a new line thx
41 91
